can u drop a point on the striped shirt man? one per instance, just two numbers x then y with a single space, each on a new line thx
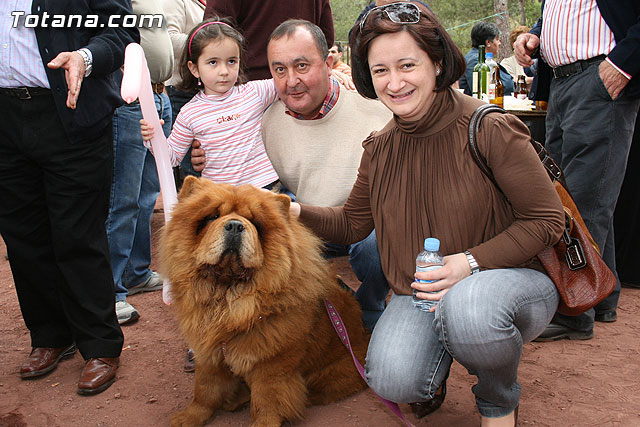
578 32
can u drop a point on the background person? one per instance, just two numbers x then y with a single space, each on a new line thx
416 180
593 90
181 17
135 186
489 35
510 63
56 160
336 52
256 20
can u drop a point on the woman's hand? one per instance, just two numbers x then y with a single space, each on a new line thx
147 131
455 268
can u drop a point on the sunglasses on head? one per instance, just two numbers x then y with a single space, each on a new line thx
400 13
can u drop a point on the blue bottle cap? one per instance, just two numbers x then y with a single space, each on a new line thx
489 55
431 244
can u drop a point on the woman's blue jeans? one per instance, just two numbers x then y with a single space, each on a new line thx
134 191
482 322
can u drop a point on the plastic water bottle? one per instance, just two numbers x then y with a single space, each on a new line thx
427 260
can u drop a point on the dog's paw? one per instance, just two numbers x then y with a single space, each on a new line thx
187 418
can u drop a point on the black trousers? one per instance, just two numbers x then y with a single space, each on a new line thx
54 197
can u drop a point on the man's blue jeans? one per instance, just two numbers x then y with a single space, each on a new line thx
365 262
134 191
482 322
374 289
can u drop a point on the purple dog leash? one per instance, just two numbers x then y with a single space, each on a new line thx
341 330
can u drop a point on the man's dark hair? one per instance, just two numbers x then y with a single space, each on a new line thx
289 27
428 33
483 31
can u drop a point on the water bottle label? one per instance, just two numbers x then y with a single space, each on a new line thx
429 268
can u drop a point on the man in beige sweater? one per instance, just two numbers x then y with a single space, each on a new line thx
313 136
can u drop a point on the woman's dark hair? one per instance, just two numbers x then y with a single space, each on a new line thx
483 31
428 33
193 48
289 27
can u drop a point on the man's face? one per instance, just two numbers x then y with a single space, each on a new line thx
336 54
301 75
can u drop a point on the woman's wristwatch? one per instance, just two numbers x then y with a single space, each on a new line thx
475 268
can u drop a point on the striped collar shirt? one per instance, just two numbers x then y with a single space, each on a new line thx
20 60
574 30
327 105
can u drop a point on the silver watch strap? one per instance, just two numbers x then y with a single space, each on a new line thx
473 264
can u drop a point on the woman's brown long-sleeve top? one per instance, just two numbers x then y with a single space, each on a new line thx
418 180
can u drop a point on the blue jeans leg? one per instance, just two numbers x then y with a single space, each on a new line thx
589 135
406 362
373 291
134 190
484 320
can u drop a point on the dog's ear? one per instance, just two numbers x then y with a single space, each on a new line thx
188 186
284 202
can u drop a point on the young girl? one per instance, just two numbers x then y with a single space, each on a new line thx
225 116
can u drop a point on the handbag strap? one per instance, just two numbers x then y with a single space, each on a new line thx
553 170
341 330
574 252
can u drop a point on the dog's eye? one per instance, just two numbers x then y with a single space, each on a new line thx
205 221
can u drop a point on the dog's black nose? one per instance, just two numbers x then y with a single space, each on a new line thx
234 227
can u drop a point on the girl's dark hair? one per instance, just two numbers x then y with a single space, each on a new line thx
428 33
202 37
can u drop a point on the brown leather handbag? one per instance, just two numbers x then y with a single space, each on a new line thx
574 264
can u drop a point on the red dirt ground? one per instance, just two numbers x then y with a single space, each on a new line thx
566 383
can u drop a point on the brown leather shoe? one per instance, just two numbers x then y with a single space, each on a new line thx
98 374
43 360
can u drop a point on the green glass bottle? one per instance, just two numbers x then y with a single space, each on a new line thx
481 77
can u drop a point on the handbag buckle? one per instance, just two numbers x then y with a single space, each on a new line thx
575 255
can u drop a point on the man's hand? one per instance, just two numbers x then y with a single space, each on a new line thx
74 70
524 47
197 156
613 80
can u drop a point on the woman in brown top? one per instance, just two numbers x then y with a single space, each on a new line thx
417 179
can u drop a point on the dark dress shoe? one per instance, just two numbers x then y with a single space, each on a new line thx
190 361
607 316
555 332
422 409
98 374
43 360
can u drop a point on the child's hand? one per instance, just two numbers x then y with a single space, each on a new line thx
147 131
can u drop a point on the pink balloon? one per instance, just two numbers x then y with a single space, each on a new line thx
136 84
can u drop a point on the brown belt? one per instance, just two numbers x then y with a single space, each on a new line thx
157 88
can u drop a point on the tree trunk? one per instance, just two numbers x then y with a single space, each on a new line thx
523 16
502 21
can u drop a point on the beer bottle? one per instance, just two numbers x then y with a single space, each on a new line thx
496 87
480 87
523 93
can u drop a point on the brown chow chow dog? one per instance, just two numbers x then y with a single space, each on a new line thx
248 285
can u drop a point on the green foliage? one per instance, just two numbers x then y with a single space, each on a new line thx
452 13
345 13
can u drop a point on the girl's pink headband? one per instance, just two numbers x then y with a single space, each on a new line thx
206 24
